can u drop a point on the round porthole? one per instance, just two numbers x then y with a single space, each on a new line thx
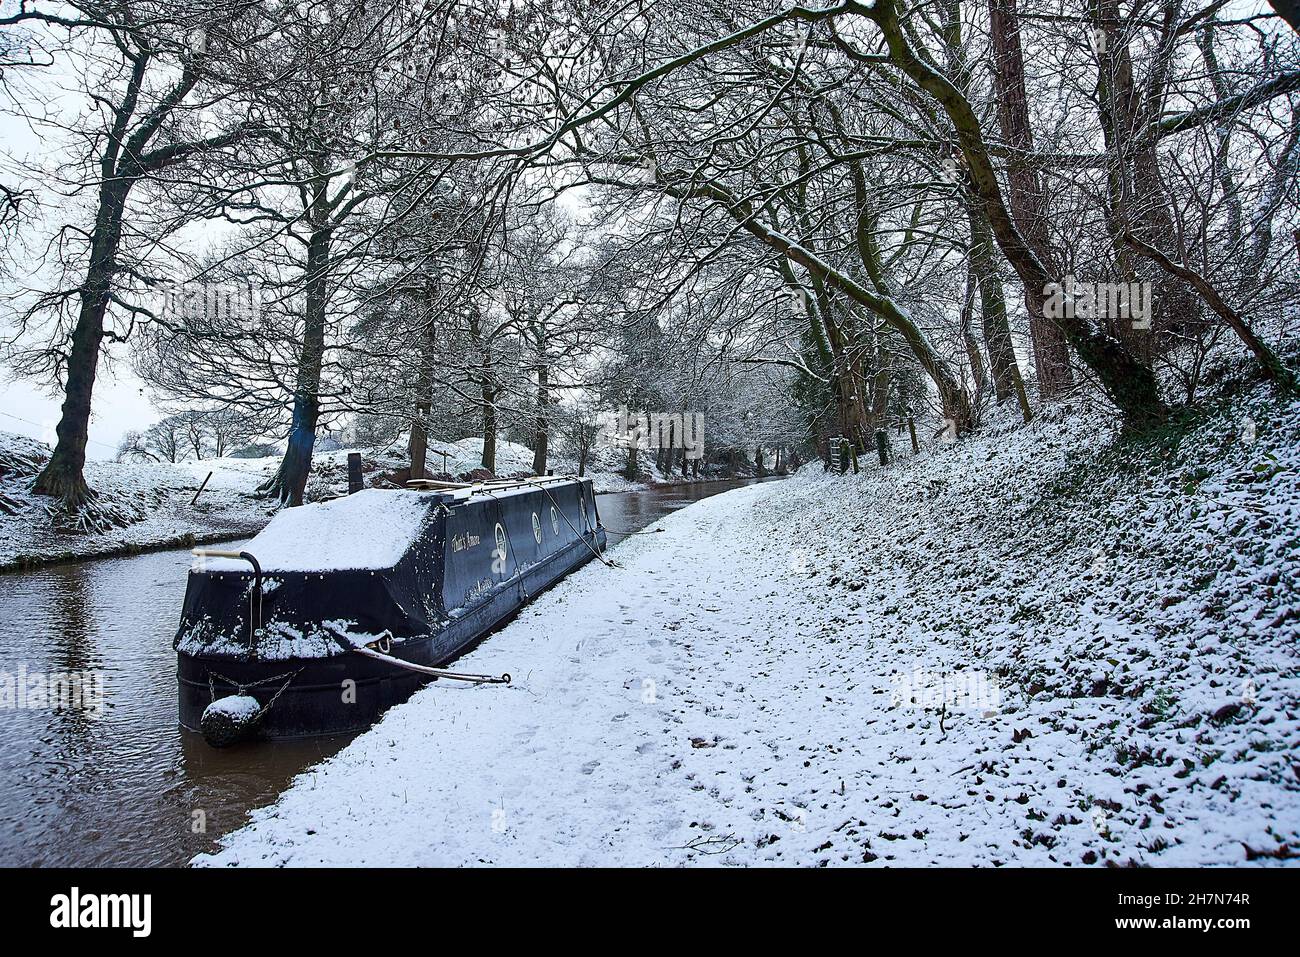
501 541
555 520
537 528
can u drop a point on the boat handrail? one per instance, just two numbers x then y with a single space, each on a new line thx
255 594
484 487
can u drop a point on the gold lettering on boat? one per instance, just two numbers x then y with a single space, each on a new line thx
463 541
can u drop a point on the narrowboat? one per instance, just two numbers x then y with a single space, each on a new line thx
338 610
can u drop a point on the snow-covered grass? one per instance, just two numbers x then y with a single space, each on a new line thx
1113 626
153 499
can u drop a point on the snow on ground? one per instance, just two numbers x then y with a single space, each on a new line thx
155 499
1040 646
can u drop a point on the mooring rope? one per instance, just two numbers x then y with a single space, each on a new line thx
582 500
503 679
510 545
343 639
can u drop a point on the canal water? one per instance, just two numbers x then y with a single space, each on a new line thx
128 786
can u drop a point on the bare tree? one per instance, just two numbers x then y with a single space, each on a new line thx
150 73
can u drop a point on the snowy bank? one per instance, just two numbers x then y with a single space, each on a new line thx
154 503
1040 646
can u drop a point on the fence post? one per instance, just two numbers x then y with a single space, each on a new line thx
354 472
195 499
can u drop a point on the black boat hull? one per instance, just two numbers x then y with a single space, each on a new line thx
421 576
312 701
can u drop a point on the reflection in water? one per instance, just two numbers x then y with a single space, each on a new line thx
120 787
630 511
129 787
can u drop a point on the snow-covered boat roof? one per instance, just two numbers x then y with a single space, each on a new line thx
371 529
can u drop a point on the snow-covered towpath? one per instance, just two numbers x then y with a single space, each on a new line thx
955 660
647 701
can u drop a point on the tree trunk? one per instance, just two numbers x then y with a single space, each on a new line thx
419 441
542 437
489 460
1025 194
487 394
64 474
418 446
1007 380
290 481
850 396
977 373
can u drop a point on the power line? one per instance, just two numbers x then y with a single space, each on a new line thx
42 425
213 468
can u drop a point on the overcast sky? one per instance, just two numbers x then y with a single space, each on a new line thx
119 405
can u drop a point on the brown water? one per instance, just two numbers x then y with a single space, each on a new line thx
129 786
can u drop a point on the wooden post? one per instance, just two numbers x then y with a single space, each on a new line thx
195 499
355 483
882 446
